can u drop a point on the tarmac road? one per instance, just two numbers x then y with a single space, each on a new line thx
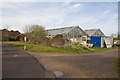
19 64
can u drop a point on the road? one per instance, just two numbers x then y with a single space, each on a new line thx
95 65
19 64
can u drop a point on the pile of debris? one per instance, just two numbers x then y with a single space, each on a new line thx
77 45
58 41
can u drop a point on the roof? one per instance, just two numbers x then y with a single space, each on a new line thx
3 30
64 30
91 32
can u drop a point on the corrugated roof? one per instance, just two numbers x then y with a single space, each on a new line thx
64 30
90 32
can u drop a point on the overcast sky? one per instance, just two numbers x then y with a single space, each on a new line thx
87 15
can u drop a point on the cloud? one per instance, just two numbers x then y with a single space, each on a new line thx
52 15
76 5
49 17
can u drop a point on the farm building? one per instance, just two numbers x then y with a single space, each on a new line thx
94 32
4 33
73 33
98 39
7 35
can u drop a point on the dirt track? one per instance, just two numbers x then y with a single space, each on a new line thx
98 65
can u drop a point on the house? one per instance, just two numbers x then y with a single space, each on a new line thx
14 33
4 32
72 33
6 35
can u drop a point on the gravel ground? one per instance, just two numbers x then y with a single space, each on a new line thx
96 65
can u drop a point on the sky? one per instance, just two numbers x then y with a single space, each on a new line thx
87 15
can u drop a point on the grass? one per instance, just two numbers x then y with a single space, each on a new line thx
47 49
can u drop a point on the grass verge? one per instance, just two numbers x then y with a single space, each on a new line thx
39 48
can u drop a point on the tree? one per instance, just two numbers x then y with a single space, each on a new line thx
35 33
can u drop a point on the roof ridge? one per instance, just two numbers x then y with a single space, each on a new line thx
63 28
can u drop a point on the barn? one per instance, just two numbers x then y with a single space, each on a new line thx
72 33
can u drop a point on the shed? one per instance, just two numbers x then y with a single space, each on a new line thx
97 41
96 37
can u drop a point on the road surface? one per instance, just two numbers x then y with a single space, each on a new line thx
95 65
19 64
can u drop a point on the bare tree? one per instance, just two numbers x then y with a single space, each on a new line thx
26 29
